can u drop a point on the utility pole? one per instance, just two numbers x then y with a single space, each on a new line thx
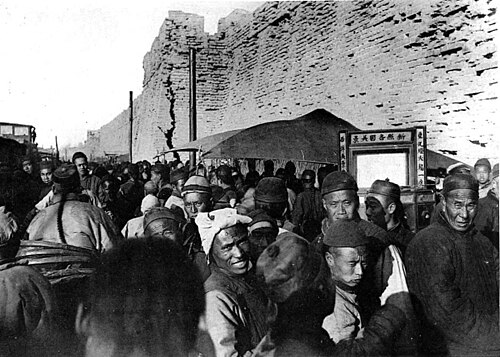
192 105
131 108
57 152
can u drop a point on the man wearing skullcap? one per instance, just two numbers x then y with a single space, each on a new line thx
164 222
482 171
308 211
296 281
178 178
271 195
235 305
262 231
71 219
197 197
347 252
486 220
453 274
134 227
384 208
341 202
28 305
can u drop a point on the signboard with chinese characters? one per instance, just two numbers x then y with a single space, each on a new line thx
380 137
420 156
398 155
343 150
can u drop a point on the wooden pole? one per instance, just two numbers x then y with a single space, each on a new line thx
192 105
57 152
131 108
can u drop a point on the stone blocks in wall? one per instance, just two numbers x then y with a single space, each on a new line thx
377 64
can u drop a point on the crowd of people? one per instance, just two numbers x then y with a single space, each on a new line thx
209 262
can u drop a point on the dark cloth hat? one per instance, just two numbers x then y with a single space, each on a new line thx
259 216
198 184
338 181
460 181
163 213
288 265
179 174
46 165
26 159
224 171
385 188
344 233
308 175
483 162
66 176
456 168
271 190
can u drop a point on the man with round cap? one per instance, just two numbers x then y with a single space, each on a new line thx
453 274
486 220
347 254
340 199
482 171
70 220
271 196
235 305
384 208
297 283
308 210
178 178
262 231
164 223
197 197
341 202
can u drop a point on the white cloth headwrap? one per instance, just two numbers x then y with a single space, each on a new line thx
211 223
149 202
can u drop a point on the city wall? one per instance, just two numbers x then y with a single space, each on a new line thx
378 64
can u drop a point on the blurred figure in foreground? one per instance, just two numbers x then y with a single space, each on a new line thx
145 299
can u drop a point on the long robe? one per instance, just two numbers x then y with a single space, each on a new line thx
454 277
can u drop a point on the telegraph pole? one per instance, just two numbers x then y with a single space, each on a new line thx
131 108
192 105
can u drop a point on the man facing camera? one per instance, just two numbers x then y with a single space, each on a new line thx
235 306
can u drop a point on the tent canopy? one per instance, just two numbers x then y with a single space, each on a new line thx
206 143
313 137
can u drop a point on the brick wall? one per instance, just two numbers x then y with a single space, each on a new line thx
377 64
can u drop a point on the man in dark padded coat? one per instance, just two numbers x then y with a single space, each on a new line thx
453 273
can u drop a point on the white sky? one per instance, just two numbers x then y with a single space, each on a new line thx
68 66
